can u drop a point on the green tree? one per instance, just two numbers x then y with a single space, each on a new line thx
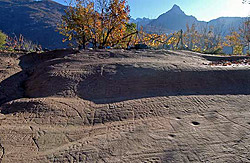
2 39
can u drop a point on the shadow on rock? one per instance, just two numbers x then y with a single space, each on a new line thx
134 83
12 88
22 106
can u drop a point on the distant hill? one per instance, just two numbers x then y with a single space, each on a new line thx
175 19
226 24
141 21
35 20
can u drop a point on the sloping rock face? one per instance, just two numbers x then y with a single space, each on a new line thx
118 79
123 106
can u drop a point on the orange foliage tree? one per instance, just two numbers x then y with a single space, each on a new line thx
233 40
207 39
101 23
156 41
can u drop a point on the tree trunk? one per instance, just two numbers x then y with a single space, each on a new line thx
106 38
181 38
84 42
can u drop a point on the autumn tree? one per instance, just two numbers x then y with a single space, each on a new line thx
217 38
233 40
245 33
192 38
152 40
211 39
172 40
189 36
101 23
206 39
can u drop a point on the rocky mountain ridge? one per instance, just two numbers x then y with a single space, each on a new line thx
175 19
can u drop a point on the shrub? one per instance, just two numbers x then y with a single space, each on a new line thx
21 44
214 51
2 39
238 50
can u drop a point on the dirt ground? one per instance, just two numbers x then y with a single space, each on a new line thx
115 106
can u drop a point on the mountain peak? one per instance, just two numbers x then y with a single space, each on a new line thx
176 7
176 10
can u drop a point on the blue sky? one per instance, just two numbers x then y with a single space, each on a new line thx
201 9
